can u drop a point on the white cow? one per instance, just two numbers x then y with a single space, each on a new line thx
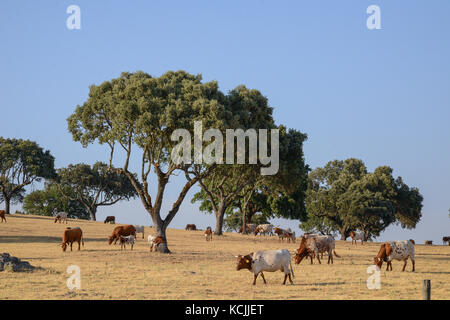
140 229
269 260
398 250
264 228
126 240
358 235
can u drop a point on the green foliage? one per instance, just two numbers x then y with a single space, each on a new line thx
343 196
51 199
94 186
22 162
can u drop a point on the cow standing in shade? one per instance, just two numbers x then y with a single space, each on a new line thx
2 215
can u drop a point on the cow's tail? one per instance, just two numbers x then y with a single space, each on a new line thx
292 270
82 241
334 251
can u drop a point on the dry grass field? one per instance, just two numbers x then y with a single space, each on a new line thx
197 269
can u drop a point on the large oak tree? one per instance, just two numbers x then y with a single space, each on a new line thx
22 162
138 113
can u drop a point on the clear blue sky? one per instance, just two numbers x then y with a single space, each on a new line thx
379 95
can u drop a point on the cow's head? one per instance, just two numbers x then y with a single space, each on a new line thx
352 234
57 218
385 251
244 262
256 231
64 246
302 252
413 242
111 239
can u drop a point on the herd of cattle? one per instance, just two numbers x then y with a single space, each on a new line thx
311 245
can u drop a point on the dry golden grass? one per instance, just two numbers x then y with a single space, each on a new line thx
197 269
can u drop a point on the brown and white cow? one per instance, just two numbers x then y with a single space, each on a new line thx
154 241
2 215
61 216
270 260
308 248
250 228
324 244
358 235
208 234
126 230
263 229
70 236
398 250
126 240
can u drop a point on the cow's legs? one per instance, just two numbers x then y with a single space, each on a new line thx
318 259
254 278
262 275
404 265
285 277
290 279
311 259
71 246
79 245
413 265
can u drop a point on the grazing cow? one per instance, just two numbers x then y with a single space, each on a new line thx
60 216
446 240
358 235
263 229
270 260
308 247
140 229
2 215
126 230
428 242
70 236
190 227
126 240
251 227
110 219
154 241
208 234
284 234
323 243
398 250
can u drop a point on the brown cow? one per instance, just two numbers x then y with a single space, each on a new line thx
308 247
429 242
110 219
190 227
446 239
126 230
70 236
208 234
2 215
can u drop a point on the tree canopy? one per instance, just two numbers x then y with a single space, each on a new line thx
22 162
94 186
138 114
343 196
50 200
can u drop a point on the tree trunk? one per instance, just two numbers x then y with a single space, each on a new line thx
161 231
93 213
219 220
7 204
344 233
